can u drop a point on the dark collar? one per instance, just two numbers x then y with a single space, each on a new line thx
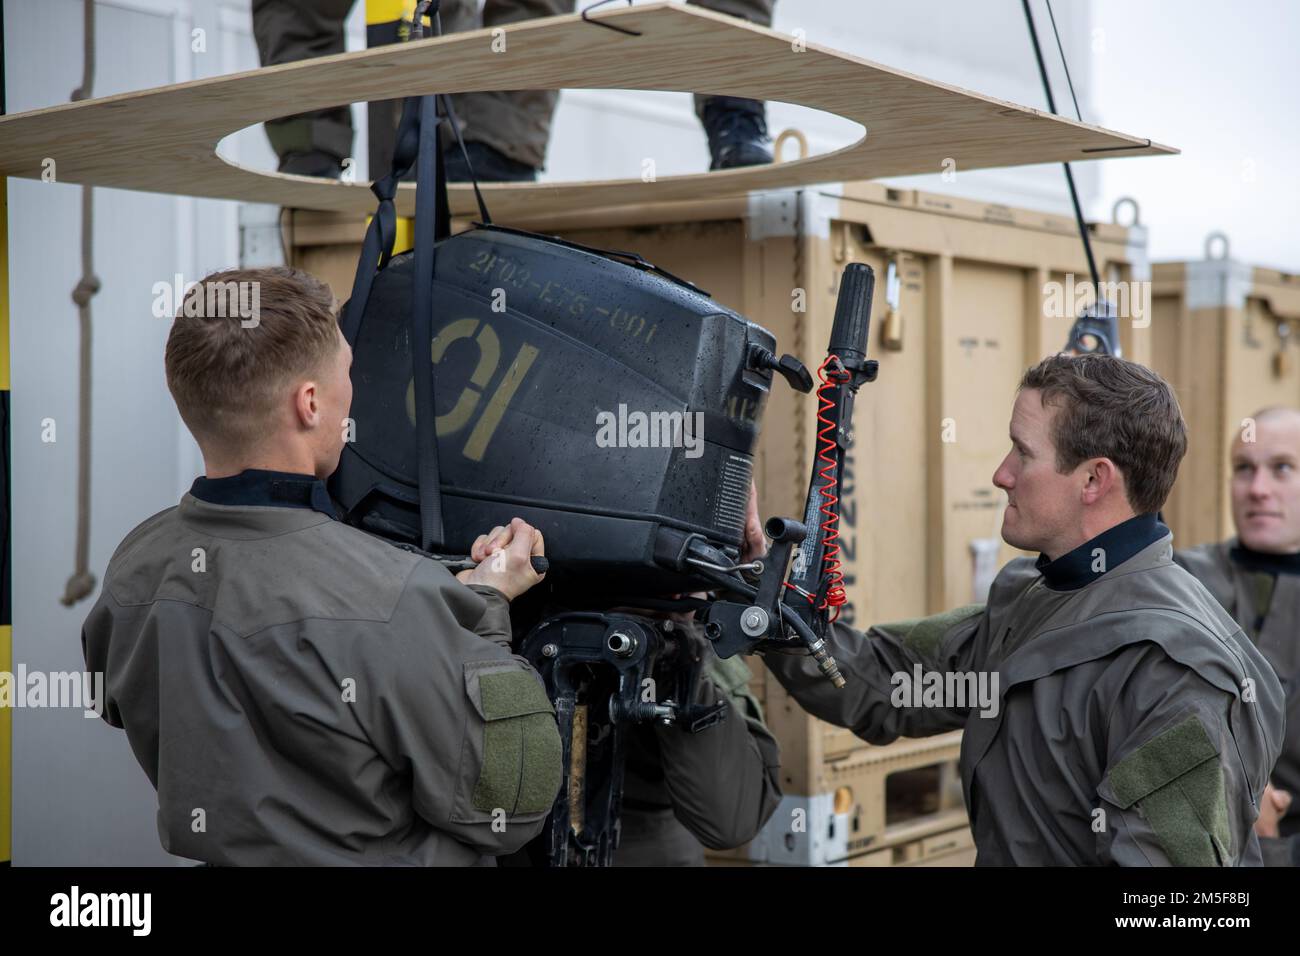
1081 566
266 489
1249 560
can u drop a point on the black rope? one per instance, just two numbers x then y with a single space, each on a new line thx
1066 66
1069 176
455 129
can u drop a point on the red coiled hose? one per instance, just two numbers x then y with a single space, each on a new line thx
831 373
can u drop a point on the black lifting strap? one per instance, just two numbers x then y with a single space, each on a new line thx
416 144
432 224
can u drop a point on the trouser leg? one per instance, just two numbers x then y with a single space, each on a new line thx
516 123
290 30
755 11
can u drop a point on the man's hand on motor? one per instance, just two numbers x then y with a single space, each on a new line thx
755 543
504 555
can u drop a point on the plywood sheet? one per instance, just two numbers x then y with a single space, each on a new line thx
164 140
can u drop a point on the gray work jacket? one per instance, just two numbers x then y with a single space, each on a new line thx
1133 722
300 692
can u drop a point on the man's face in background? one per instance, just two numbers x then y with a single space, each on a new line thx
1266 484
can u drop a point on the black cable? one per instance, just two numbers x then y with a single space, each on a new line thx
455 129
788 614
1069 176
1066 66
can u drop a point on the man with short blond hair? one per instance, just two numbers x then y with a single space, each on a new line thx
1132 722
1255 575
298 691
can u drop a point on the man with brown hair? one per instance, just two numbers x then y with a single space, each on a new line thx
298 691
1130 720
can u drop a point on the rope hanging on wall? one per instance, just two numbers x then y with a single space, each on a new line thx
82 583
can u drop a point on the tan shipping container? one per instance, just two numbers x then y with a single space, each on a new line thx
1224 337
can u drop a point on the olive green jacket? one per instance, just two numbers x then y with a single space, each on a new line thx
300 692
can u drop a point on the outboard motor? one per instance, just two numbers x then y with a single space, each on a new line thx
499 373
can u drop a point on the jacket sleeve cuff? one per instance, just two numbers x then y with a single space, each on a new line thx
495 622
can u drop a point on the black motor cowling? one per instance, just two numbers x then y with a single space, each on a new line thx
609 405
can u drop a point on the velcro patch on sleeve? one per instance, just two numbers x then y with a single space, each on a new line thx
1161 760
522 755
1178 784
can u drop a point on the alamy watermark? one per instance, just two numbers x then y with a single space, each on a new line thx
639 429
216 300
1128 300
23 688
951 690
131 911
